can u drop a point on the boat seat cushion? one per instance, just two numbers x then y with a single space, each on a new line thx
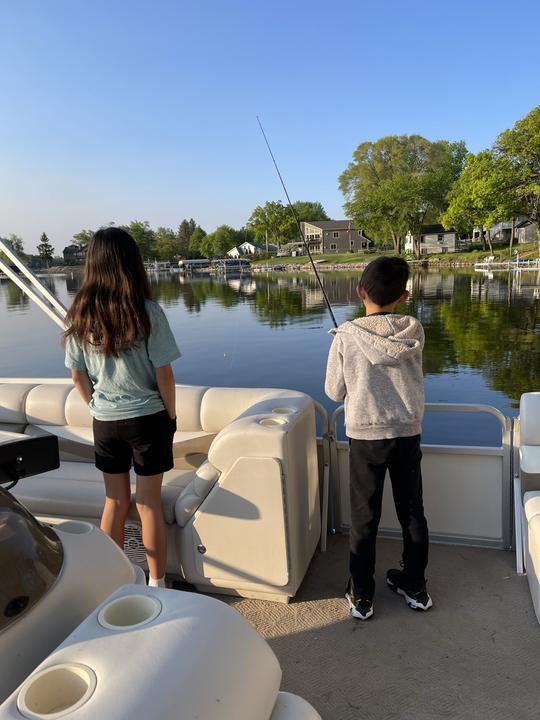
76 489
531 506
76 443
529 418
12 403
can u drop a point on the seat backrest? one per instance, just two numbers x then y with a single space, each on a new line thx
188 407
12 405
221 405
529 418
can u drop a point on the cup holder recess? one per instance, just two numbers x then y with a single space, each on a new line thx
284 410
56 691
273 421
129 612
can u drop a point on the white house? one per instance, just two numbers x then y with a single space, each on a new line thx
248 248
433 239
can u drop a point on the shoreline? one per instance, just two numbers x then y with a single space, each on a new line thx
343 267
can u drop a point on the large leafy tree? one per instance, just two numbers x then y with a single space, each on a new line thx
83 237
15 242
219 242
185 231
166 243
520 149
306 211
275 221
268 221
483 194
398 183
195 240
144 237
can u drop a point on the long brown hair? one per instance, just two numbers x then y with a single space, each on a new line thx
109 310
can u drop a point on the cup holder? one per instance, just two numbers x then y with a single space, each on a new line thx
129 612
273 421
56 691
74 527
284 410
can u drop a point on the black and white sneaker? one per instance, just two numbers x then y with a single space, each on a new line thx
416 598
361 607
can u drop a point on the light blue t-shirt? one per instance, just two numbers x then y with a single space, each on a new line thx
126 386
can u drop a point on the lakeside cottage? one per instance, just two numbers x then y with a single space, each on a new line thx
248 248
434 239
74 254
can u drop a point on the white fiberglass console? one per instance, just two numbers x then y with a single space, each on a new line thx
52 577
155 653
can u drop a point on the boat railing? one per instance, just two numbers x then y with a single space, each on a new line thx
31 285
468 490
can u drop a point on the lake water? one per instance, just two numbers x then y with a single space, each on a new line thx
482 336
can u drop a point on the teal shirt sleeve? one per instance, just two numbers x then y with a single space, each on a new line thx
74 354
162 347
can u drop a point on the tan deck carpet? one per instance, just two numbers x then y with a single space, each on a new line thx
474 656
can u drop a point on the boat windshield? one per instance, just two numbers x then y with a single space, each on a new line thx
31 558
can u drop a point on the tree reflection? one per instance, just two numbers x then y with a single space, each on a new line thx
489 323
15 298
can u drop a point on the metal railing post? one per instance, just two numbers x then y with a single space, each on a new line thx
326 486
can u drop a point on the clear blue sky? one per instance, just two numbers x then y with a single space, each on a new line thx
122 109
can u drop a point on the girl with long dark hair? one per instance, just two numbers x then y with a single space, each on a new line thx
119 347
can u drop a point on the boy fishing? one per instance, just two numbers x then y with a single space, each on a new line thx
375 367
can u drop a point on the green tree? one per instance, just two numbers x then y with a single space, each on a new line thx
398 183
483 194
270 220
306 211
185 231
520 148
195 240
83 237
45 249
223 239
144 237
275 221
15 242
166 244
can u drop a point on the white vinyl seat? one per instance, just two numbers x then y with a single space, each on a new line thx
241 504
527 495
76 489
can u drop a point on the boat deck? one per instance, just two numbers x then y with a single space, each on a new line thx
474 655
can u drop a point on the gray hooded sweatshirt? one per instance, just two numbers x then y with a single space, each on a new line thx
375 366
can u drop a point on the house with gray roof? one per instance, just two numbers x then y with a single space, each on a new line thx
335 236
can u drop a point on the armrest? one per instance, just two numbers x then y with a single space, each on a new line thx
262 430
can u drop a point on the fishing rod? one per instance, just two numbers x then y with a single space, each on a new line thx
327 301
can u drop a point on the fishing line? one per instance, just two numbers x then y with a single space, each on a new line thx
327 301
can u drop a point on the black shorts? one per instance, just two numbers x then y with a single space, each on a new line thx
146 442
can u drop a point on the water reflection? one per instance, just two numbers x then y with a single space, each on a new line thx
483 324
488 324
15 299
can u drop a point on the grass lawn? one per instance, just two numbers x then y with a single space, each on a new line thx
526 251
333 258
529 250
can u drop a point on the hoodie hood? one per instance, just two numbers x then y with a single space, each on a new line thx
384 339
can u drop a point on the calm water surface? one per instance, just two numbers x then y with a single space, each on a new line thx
482 336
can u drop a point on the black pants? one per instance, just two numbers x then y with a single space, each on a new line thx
369 460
